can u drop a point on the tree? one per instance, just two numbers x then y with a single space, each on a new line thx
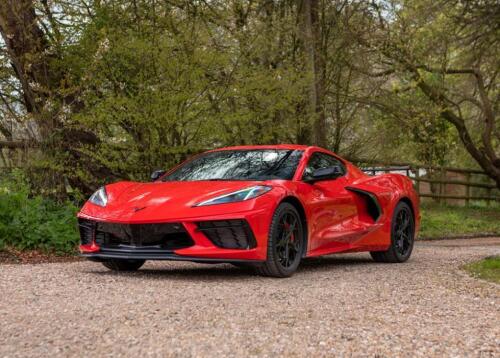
29 54
448 52
45 84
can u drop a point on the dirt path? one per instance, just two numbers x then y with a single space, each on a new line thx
334 306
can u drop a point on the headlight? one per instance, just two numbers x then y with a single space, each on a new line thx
100 197
240 195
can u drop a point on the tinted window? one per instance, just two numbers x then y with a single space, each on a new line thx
239 165
319 161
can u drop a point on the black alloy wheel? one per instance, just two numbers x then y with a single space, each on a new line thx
288 246
403 231
402 236
286 243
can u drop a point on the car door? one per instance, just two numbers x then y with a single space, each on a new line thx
332 207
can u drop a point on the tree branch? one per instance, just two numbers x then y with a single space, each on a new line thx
450 71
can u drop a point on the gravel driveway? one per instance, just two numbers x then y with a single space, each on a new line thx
335 306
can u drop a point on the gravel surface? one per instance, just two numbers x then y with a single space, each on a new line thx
341 305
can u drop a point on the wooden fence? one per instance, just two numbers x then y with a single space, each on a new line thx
443 184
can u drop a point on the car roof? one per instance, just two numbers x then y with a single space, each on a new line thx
266 146
305 148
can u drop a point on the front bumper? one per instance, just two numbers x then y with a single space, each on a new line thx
239 237
124 255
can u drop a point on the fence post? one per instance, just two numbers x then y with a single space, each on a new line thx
467 189
442 177
4 161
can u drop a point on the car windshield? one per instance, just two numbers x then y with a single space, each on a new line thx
265 164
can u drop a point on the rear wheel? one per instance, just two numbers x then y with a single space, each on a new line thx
123 265
402 236
286 243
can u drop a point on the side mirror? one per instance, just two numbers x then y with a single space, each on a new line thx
157 174
326 173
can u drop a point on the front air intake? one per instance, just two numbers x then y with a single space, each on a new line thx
228 234
116 236
87 231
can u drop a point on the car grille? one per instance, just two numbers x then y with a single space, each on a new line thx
228 234
165 236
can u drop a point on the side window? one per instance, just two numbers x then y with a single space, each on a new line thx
319 161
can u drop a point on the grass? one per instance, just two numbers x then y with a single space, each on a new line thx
440 221
486 269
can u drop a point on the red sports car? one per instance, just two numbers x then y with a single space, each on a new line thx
266 207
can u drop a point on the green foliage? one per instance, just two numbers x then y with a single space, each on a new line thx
161 85
415 129
432 45
487 269
34 222
139 85
440 221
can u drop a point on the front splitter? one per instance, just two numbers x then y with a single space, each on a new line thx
103 256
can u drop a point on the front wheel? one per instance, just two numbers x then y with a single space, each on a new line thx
286 243
123 264
402 236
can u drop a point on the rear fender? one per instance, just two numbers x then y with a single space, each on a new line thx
380 194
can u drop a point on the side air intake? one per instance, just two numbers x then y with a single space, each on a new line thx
372 205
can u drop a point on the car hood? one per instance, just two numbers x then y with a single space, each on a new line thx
150 202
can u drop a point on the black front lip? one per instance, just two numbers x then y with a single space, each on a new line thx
149 254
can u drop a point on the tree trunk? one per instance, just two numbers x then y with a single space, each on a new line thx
26 46
312 38
32 58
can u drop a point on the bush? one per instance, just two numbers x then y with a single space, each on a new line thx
28 222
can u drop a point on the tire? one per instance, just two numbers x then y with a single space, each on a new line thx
285 245
123 264
402 236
